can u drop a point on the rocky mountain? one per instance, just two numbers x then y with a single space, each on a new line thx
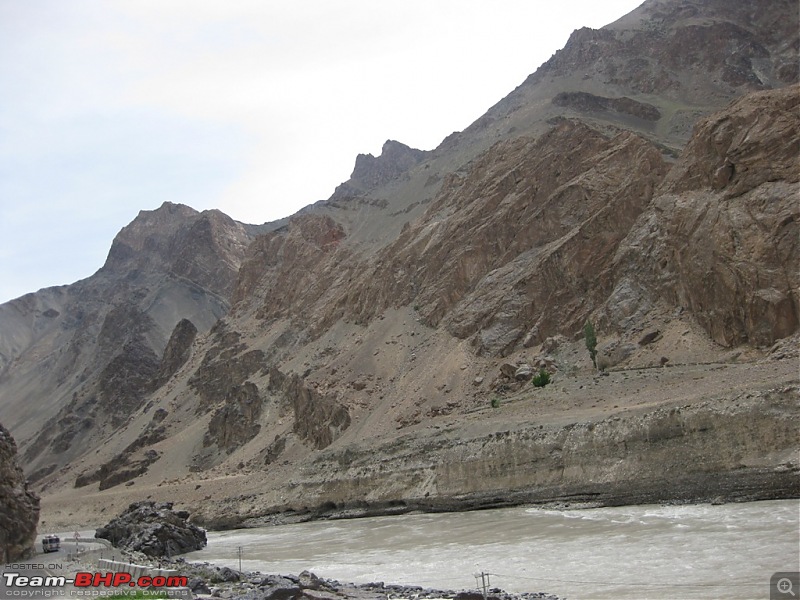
373 353
77 360
19 506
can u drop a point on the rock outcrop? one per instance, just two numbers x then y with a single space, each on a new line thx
371 172
154 529
318 419
236 422
586 102
19 507
686 46
721 237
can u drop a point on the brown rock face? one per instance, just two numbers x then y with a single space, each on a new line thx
204 248
287 273
19 507
523 242
754 141
721 237
318 419
236 422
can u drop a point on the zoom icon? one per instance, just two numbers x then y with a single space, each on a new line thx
785 586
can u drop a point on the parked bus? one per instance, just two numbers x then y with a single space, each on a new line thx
51 543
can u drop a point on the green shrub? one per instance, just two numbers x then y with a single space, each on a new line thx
591 341
541 379
496 402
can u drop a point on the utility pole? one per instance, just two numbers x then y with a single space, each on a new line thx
240 559
484 585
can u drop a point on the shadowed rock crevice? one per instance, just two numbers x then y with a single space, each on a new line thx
586 102
177 352
318 419
226 365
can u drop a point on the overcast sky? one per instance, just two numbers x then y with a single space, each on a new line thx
255 107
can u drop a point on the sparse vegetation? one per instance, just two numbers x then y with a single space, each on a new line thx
541 379
496 402
591 341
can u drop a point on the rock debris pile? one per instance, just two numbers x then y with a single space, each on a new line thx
154 529
222 582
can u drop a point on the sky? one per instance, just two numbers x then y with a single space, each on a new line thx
254 107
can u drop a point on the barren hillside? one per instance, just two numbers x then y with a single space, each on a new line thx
374 353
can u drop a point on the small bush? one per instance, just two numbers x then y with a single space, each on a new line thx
541 379
496 402
590 337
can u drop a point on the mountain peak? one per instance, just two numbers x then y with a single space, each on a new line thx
204 247
146 239
371 171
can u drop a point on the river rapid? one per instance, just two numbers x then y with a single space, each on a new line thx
631 552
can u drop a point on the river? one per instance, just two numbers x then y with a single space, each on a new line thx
631 552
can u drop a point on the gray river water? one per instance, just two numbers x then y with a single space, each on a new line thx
631 552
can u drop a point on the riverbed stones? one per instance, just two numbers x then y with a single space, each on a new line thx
307 585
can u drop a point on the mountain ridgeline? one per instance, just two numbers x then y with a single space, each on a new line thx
372 353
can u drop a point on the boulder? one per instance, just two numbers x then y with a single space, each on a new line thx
651 337
553 344
508 370
524 372
153 529
199 586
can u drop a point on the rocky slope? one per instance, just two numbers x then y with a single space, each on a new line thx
19 506
377 349
77 360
